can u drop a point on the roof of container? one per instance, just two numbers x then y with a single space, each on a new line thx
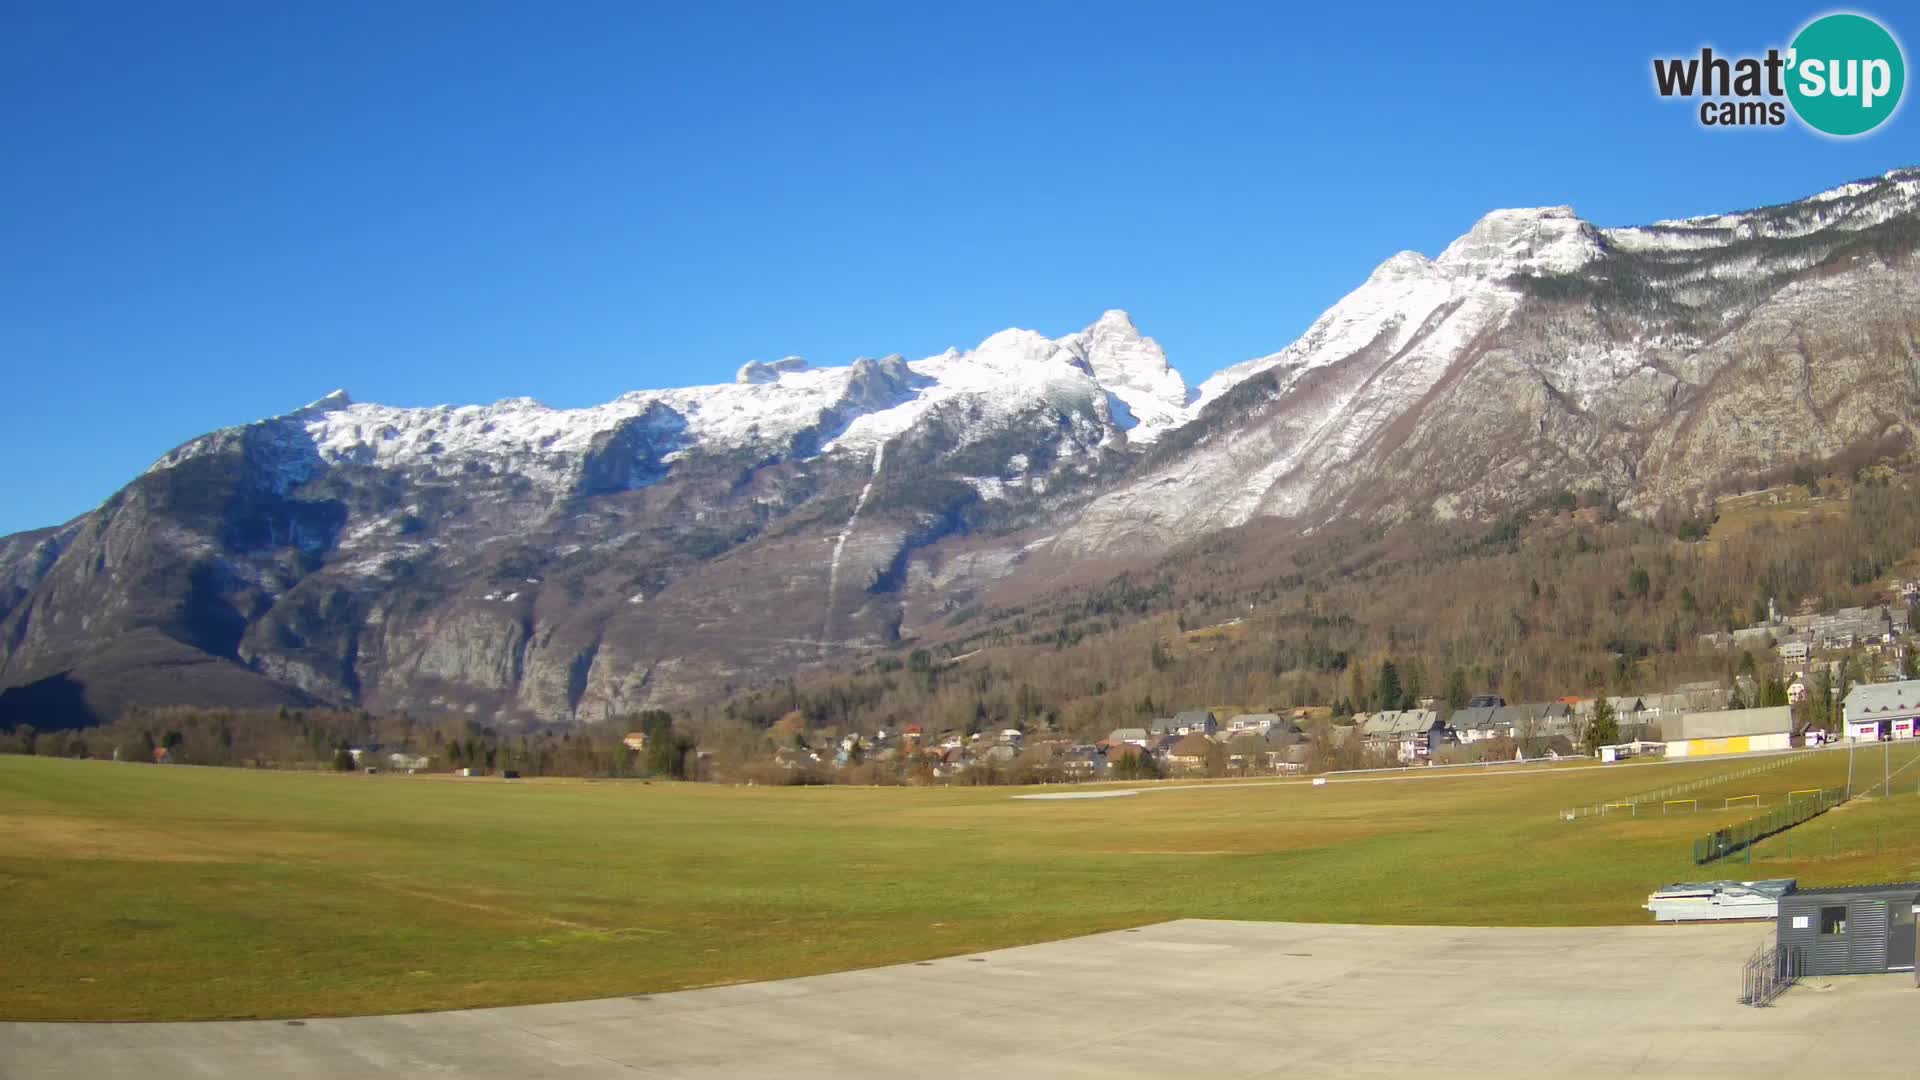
1898 887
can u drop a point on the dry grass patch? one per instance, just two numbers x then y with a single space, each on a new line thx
51 836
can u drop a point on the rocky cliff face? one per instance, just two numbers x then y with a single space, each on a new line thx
513 561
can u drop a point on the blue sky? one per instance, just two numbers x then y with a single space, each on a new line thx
213 212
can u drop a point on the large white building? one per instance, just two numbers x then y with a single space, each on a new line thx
1730 731
1883 710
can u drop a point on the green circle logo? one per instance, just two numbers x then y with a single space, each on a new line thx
1846 74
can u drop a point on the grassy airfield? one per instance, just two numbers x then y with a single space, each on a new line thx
142 892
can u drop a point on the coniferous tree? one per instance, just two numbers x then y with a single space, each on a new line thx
1386 689
1604 728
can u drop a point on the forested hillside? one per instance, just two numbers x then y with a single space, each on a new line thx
1568 597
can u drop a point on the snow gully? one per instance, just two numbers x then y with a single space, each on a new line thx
840 546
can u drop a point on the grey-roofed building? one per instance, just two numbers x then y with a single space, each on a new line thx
1411 733
1253 750
1195 722
1380 725
1135 735
1510 720
1626 709
1429 732
1887 710
1703 695
1262 721
1083 761
1730 731
1557 718
1662 709
1476 722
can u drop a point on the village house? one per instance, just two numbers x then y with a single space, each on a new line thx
1476 723
1133 735
1189 722
853 746
1083 763
952 761
1526 722
1888 710
1410 735
1557 720
1258 722
1628 713
1246 752
1190 753
1256 751
795 757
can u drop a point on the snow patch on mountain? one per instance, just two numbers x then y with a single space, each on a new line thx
859 406
1385 311
1848 207
1133 368
1548 240
1108 383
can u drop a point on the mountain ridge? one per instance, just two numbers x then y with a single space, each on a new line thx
515 562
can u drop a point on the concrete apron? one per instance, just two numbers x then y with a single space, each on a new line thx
1186 997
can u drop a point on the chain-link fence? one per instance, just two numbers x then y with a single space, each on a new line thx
1721 843
1631 803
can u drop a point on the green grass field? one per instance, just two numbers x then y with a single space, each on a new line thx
139 892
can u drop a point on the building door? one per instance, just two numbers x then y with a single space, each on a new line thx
1900 937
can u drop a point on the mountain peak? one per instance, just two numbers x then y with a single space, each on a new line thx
1530 240
332 402
1401 265
754 371
1131 366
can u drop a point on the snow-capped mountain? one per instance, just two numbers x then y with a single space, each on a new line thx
1107 371
515 561
1538 352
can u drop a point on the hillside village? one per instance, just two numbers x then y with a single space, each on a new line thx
1849 672
1794 680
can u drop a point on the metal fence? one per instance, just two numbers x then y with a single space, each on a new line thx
1768 973
1721 843
1659 795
